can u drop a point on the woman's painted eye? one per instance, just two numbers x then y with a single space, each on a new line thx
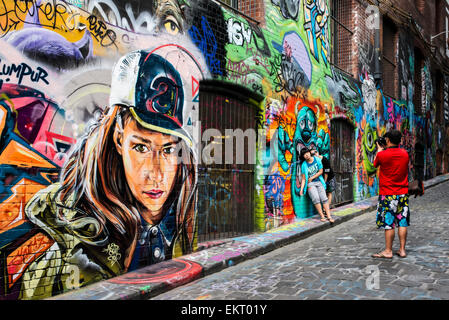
171 27
168 150
141 148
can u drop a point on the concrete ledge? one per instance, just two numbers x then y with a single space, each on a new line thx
216 256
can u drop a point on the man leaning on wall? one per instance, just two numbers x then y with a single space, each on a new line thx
393 207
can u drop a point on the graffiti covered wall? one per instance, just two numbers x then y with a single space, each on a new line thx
286 62
79 196
97 96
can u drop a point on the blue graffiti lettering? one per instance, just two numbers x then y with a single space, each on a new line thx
207 43
23 70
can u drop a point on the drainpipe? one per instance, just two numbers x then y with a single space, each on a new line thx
377 52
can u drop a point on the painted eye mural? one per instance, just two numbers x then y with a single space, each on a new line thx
130 205
171 26
170 16
369 149
143 197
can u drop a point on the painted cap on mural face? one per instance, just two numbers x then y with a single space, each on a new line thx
153 90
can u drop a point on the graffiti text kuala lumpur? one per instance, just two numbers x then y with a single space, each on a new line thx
21 71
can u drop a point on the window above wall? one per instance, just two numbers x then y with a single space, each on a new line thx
389 70
252 9
232 3
342 33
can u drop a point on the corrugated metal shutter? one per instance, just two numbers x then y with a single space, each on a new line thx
226 191
342 160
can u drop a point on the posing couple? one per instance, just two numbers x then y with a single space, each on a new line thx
318 180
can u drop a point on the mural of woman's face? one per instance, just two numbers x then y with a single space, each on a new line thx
170 16
150 164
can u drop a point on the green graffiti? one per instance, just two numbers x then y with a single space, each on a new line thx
369 148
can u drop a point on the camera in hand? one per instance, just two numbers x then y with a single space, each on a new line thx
381 141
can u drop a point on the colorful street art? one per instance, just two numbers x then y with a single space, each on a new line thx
96 96
316 15
78 194
302 132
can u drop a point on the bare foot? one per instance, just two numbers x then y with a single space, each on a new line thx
383 255
401 254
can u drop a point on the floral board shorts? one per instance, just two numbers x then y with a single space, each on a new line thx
393 211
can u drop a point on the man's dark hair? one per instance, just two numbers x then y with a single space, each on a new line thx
395 136
302 153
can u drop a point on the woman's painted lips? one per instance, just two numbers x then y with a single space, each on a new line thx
154 194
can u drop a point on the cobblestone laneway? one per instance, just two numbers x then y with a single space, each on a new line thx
337 263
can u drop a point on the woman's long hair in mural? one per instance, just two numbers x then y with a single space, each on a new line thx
94 177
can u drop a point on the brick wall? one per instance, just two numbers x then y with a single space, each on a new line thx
363 38
424 12
254 9
343 39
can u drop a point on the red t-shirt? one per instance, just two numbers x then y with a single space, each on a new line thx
393 172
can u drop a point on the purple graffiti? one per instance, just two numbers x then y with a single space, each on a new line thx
48 46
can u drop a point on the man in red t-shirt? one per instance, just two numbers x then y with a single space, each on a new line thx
392 209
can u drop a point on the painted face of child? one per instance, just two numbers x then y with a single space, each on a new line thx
150 163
